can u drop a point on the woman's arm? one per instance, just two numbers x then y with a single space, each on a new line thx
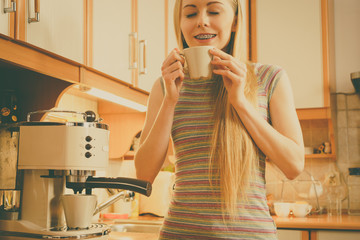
155 136
154 139
282 142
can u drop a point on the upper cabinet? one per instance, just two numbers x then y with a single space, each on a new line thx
128 39
113 40
89 42
7 14
171 37
293 34
56 26
152 37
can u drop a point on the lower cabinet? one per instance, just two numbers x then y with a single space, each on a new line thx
289 234
338 235
285 234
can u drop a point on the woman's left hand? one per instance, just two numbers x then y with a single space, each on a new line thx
233 72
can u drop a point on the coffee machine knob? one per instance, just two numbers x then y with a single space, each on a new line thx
88 138
88 146
88 154
90 116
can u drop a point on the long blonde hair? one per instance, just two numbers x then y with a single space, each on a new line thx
234 156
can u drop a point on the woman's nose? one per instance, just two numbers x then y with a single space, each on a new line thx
203 20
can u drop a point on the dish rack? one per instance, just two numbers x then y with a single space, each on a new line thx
307 190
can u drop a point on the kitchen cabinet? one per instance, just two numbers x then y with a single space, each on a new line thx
113 39
289 234
285 234
293 34
171 37
322 227
7 14
296 36
56 26
338 235
129 40
151 33
315 133
60 28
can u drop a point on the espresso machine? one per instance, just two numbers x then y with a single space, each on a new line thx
46 159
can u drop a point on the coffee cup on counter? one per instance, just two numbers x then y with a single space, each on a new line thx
301 209
282 209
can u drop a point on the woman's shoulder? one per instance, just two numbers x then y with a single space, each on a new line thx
268 75
263 70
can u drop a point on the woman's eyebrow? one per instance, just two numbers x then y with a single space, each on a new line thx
189 5
209 3
214 2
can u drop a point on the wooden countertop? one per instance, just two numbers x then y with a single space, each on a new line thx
314 222
133 236
343 222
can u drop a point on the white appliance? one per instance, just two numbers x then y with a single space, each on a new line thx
52 156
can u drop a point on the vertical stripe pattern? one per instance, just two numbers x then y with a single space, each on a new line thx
195 210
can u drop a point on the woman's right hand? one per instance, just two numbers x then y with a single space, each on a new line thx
173 75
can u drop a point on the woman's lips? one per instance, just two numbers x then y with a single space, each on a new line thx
204 37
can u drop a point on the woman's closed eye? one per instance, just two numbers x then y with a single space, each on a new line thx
190 15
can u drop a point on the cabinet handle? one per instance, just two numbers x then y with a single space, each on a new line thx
12 8
37 12
143 68
132 50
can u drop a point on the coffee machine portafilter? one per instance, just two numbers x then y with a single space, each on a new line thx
53 156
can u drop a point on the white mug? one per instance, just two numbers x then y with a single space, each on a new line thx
79 209
301 209
282 209
198 61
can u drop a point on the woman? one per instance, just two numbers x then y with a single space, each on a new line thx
222 130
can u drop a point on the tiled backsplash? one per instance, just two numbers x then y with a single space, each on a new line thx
348 131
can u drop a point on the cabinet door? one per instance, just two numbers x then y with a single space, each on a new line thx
288 234
289 34
111 29
171 37
60 29
151 17
5 17
338 235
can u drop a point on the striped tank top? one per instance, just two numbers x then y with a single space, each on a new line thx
195 209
